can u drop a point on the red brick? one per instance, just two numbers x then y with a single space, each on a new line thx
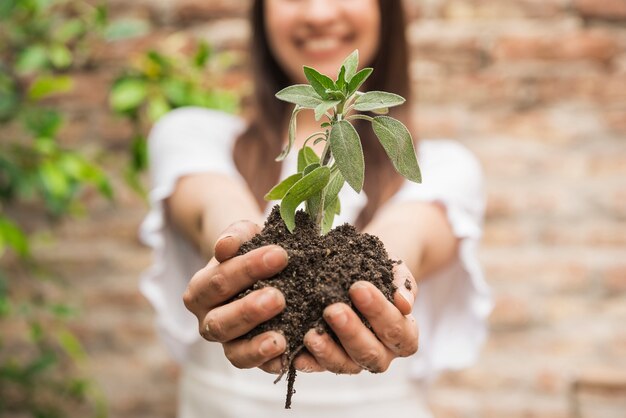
584 45
614 278
511 313
603 9
187 11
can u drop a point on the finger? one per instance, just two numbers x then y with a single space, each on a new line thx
359 342
306 363
230 321
227 245
274 366
329 354
396 331
213 285
405 296
245 354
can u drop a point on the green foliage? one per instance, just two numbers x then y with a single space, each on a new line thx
158 82
337 100
41 41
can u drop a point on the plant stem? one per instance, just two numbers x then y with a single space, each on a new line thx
320 210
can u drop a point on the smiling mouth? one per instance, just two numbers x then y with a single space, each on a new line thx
323 45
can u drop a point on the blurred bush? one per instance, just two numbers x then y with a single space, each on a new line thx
158 81
41 361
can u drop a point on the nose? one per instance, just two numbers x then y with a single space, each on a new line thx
320 12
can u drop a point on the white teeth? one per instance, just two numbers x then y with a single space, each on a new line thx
321 44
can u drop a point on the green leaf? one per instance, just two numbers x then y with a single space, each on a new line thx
292 134
72 347
54 180
157 107
358 79
341 79
323 107
306 156
128 94
45 86
201 57
13 236
279 191
69 30
331 194
307 186
397 142
126 28
320 82
374 100
351 63
310 168
345 145
33 58
300 94
60 56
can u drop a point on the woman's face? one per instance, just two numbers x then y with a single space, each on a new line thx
321 33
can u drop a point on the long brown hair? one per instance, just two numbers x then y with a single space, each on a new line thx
256 148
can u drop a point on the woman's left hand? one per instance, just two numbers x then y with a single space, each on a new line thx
394 330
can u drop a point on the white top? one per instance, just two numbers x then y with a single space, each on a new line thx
451 307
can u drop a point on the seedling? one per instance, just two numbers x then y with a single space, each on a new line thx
336 104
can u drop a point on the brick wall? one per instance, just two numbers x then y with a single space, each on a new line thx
537 89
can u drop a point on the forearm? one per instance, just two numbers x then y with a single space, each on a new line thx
418 233
203 205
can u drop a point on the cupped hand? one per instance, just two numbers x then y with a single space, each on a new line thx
225 276
394 330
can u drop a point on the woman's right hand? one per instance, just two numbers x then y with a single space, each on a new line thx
225 276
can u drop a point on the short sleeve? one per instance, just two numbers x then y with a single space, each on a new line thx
453 305
185 141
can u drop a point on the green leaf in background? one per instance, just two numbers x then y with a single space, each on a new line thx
33 58
202 55
301 94
54 180
374 100
358 79
72 347
45 86
128 95
323 107
306 156
345 145
351 63
292 134
12 236
68 31
42 122
60 56
307 186
157 107
279 191
320 82
398 144
126 28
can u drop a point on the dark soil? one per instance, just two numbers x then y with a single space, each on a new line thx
321 269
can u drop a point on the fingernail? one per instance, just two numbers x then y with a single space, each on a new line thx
268 299
406 295
275 258
337 316
224 236
363 294
314 343
268 347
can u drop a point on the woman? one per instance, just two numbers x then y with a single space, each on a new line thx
210 172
